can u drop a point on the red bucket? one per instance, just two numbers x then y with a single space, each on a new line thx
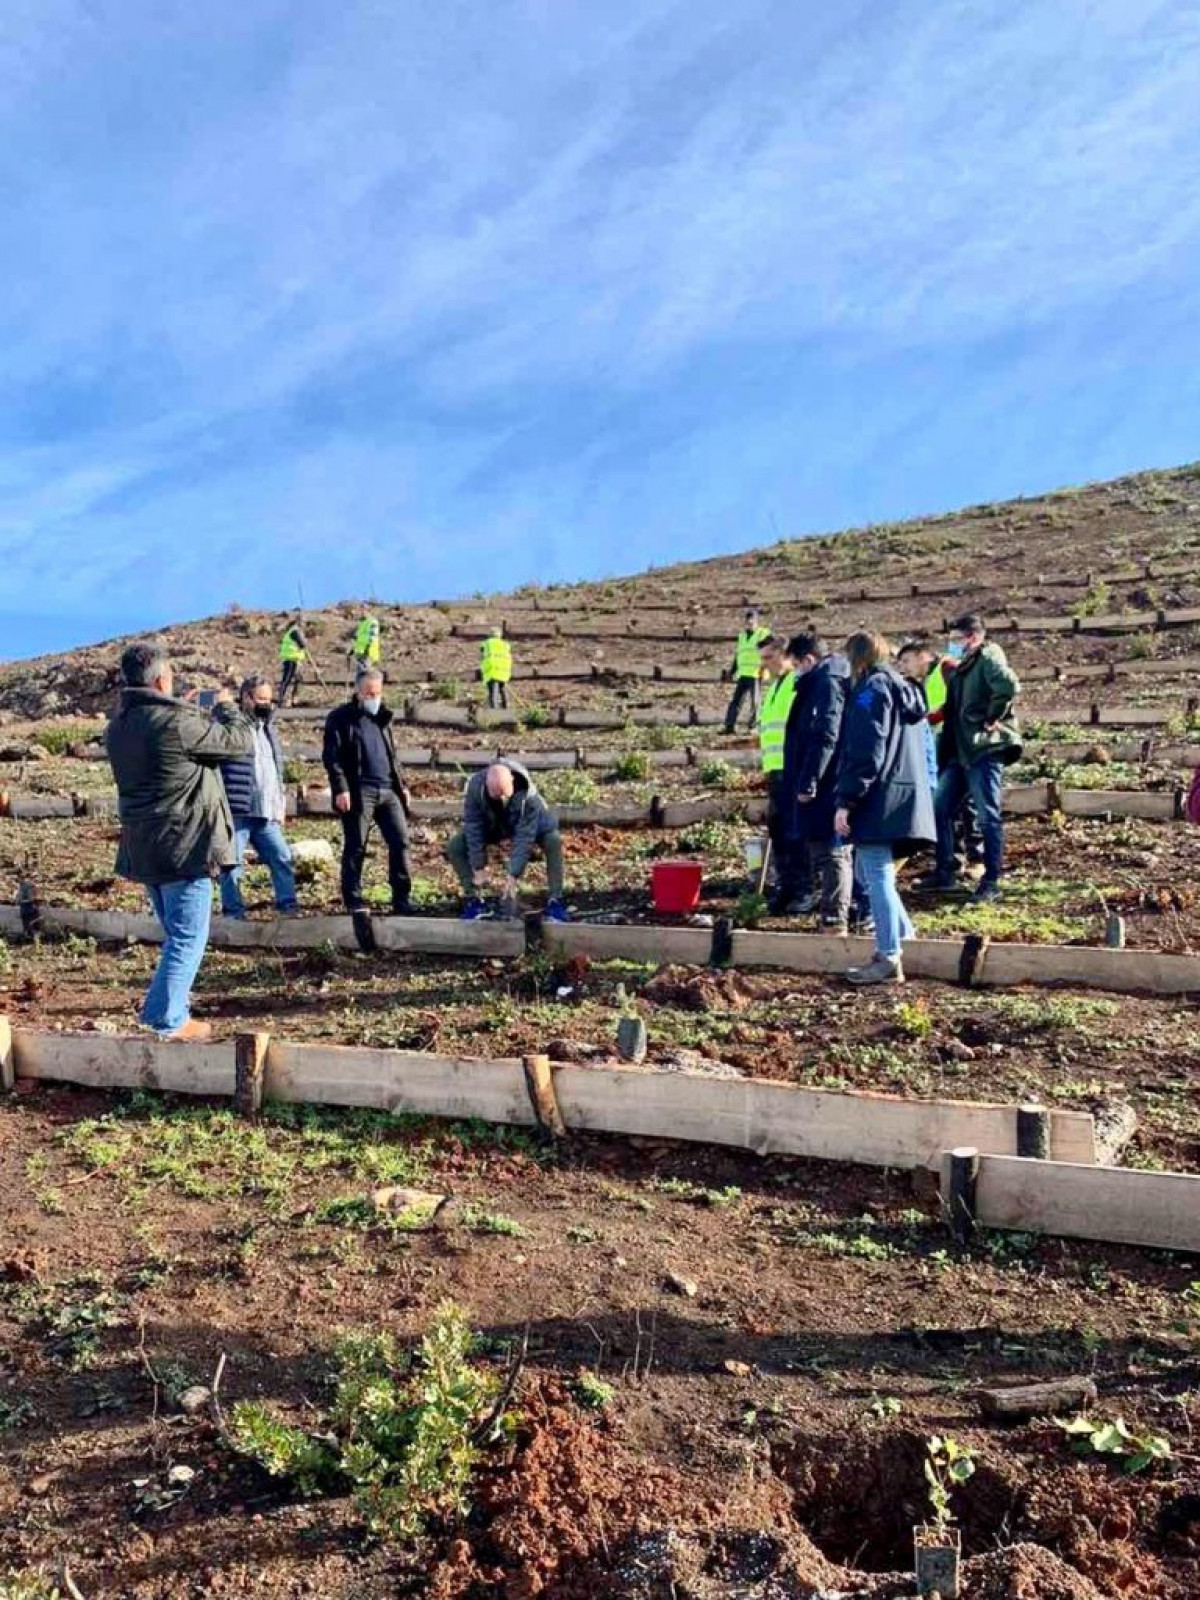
675 886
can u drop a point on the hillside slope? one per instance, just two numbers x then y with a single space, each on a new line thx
1132 545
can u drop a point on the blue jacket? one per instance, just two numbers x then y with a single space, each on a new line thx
811 748
883 776
239 775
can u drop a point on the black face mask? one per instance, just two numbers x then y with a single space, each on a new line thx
263 713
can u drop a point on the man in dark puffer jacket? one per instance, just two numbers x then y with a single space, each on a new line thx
255 788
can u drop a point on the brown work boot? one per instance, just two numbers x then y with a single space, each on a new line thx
193 1032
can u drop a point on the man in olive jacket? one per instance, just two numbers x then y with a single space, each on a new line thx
980 737
176 830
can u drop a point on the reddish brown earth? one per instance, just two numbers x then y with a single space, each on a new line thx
741 1421
740 1456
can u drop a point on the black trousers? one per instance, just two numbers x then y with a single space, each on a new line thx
497 694
381 807
743 689
289 681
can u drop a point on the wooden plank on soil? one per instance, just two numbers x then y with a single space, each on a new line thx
629 942
1119 1205
400 1081
1137 716
1026 799
1087 967
1155 806
818 953
785 1119
115 1061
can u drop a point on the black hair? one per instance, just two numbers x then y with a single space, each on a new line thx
969 622
805 644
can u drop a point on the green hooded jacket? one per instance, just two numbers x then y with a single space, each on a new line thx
980 692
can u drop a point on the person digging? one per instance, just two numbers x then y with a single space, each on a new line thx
501 805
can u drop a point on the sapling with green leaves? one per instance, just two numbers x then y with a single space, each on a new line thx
948 1465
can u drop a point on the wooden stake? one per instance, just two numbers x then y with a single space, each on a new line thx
1033 1132
250 1065
539 1081
8 1065
1027 1400
960 1171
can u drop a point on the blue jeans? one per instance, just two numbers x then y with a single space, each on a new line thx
983 781
184 908
267 838
877 867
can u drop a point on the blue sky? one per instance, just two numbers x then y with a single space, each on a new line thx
419 300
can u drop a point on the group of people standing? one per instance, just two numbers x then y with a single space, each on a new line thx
198 786
872 756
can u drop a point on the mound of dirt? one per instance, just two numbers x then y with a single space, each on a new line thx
687 990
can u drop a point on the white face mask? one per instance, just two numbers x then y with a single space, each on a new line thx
372 703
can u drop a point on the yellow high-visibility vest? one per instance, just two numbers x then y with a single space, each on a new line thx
495 660
366 640
772 722
936 688
290 648
748 641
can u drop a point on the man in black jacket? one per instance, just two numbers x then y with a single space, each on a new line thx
812 745
368 787
176 828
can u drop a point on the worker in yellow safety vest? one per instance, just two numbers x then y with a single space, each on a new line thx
495 667
366 642
778 698
293 650
747 669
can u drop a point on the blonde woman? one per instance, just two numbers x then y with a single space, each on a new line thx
883 800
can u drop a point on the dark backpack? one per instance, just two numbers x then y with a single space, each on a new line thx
1191 805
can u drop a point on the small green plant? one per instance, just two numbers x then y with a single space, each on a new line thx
447 689
293 771
913 1019
1095 602
592 1392
535 717
404 1432
884 1407
14 1413
478 1220
29 1586
570 788
632 767
719 774
751 908
56 741
1091 1436
948 1465
684 1189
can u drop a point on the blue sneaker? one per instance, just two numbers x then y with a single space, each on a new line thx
555 911
473 910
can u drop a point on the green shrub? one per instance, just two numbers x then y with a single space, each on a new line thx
59 739
446 689
719 775
403 1431
570 788
535 717
592 1392
29 1586
632 767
